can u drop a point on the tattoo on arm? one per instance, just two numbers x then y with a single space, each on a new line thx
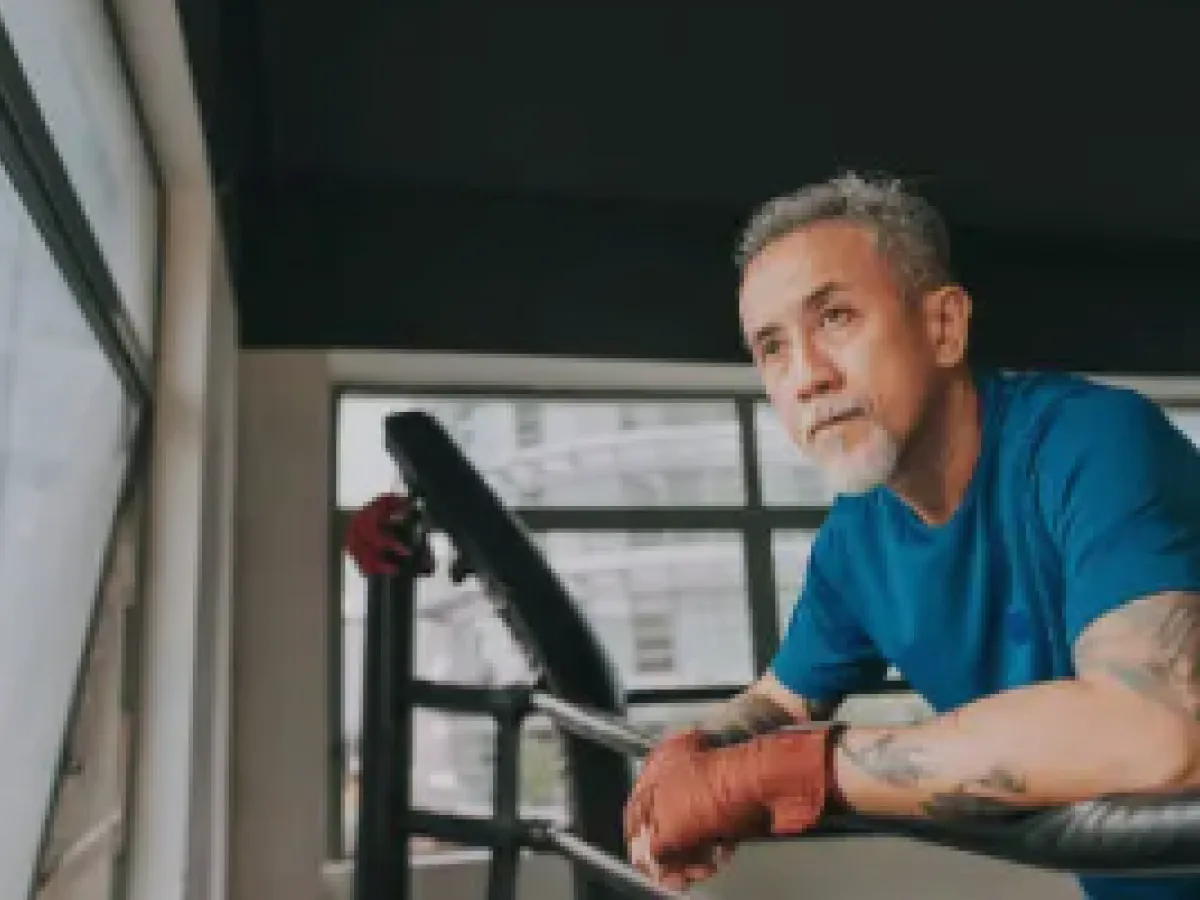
905 764
889 759
1000 788
1152 645
749 714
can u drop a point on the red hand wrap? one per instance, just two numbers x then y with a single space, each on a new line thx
369 542
690 796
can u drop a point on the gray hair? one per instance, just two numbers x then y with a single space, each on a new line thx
908 231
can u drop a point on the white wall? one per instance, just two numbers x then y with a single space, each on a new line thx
282 735
281 627
180 782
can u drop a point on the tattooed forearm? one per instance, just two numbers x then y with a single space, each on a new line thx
907 765
1152 645
887 758
749 714
994 794
1052 742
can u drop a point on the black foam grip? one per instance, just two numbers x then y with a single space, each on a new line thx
1120 835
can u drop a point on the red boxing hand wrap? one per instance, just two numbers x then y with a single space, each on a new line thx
795 776
369 540
692 796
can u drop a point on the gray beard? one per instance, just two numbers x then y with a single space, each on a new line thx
865 467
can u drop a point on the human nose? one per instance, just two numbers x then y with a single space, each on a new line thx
810 372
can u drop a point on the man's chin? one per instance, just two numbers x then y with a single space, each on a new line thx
857 475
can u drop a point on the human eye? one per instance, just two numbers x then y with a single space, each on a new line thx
836 315
770 347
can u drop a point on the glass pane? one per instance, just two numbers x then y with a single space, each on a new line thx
459 639
789 551
452 771
543 771
90 812
787 478
670 607
70 58
459 636
578 453
65 427
1187 421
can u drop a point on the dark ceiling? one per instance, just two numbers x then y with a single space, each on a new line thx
569 178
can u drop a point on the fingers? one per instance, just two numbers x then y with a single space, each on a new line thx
681 871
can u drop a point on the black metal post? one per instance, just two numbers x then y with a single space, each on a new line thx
505 857
381 851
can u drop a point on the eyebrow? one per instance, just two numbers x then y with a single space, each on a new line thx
814 299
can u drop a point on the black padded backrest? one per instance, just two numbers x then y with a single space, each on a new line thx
544 617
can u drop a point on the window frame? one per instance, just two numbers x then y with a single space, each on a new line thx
33 163
752 520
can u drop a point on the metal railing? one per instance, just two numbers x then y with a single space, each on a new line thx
386 818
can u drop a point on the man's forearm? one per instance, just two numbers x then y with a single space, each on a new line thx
1051 743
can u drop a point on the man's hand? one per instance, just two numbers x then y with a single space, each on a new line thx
370 540
693 801
682 872
765 706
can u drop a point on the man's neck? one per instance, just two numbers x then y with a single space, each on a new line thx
938 463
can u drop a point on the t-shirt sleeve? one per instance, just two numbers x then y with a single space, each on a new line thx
1119 487
825 654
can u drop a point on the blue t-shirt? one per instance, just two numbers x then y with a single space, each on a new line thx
1084 497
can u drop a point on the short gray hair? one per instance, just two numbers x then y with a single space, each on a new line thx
908 231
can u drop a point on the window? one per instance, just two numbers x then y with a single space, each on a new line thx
787 480
585 453
668 600
78 248
459 639
669 606
653 644
69 54
642 508
88 825
1187 420
789 553
66 427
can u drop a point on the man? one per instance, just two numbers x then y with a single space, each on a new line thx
1024 548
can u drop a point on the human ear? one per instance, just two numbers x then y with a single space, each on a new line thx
947 318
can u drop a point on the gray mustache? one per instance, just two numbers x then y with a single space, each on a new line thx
819 416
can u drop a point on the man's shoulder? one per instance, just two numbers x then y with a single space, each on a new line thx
1032 408
1053 425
